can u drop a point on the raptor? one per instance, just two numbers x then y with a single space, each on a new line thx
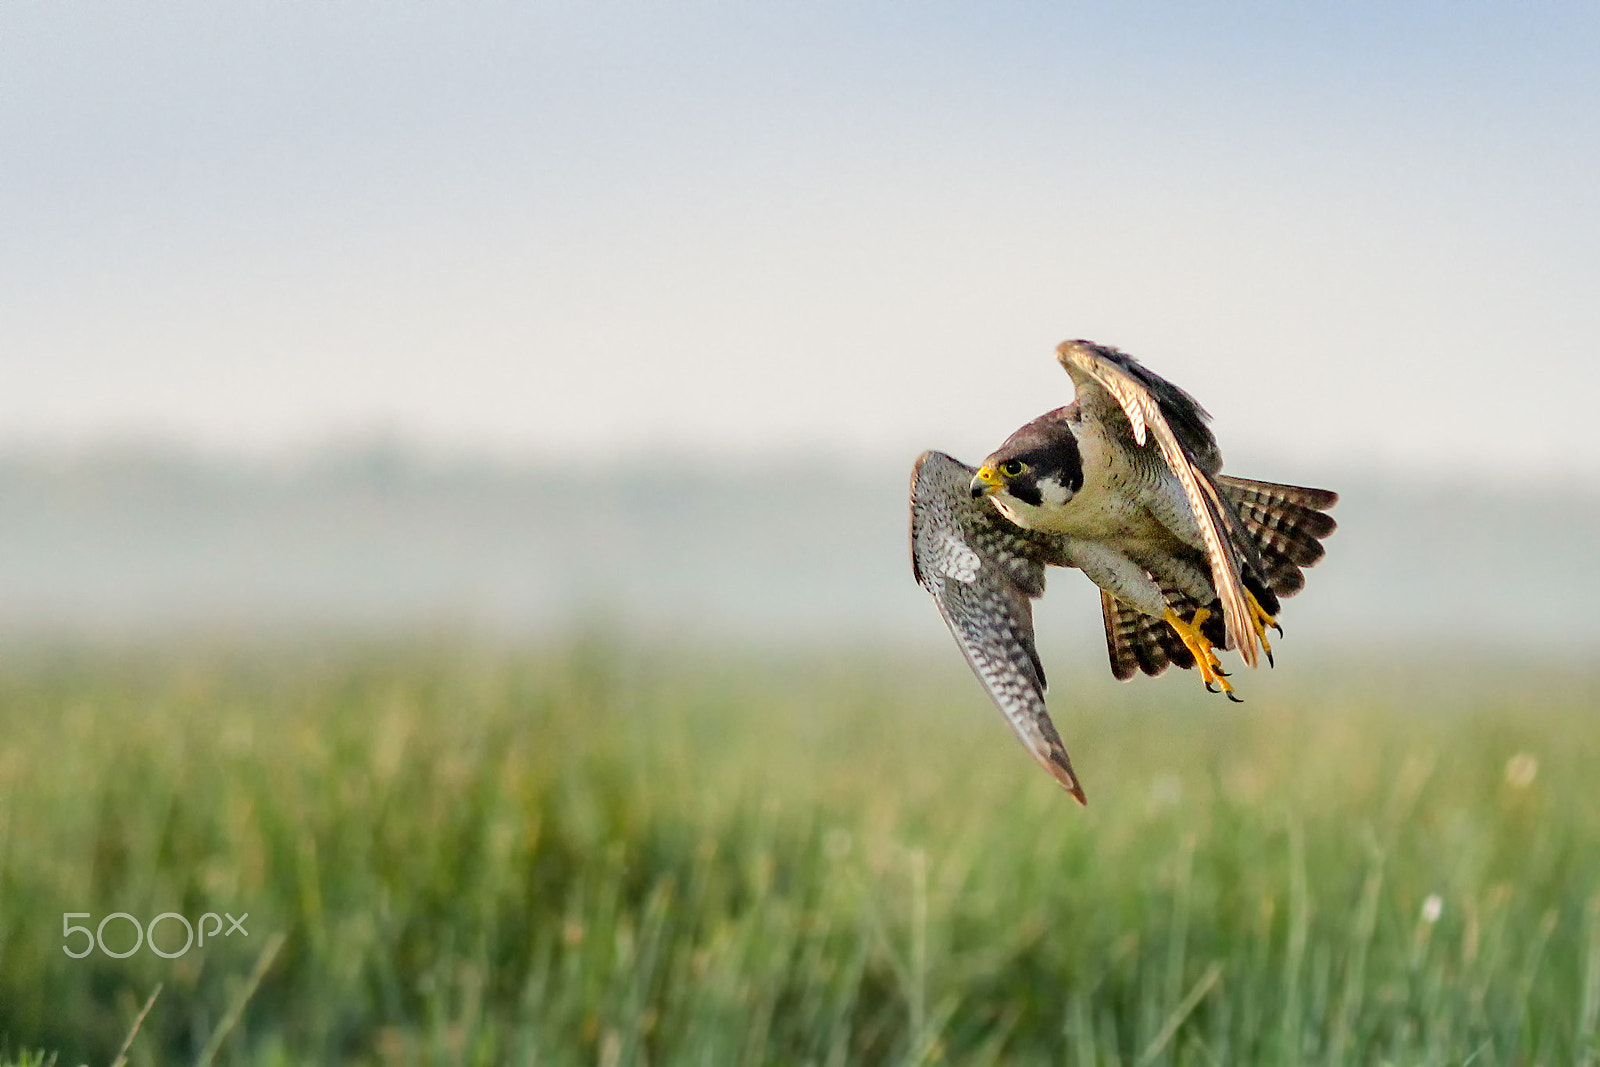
1126 485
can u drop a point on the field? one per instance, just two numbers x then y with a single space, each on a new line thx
453 852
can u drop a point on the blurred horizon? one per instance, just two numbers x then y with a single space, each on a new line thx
390 537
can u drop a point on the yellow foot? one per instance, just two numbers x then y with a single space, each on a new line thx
1262 621
1205 658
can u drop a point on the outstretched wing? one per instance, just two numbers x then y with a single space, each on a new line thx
1112 386
983 573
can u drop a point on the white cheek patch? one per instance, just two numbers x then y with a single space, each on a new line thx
956 560
1053 492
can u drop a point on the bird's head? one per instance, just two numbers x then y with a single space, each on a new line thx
1037 468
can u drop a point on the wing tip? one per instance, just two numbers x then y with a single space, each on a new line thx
1245 644
1053 757
1061 770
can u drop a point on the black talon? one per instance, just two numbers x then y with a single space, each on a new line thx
1276 625
1211 690
1236 700
1222 673
1269 658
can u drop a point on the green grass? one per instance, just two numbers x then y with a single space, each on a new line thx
456 853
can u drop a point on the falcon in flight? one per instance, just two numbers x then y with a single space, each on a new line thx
1124 484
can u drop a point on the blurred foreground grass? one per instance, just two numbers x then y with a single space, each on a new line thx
594 855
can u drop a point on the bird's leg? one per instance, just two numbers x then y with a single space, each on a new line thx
1204 656
1262 621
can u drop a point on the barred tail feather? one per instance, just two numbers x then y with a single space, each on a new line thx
1287 523
1122 637
1139 642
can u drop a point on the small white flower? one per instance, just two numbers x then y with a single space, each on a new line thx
1432 908
1521 770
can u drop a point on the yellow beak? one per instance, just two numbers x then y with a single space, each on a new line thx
987 482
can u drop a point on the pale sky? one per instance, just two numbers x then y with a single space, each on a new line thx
1363 233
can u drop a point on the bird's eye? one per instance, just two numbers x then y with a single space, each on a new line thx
1013 468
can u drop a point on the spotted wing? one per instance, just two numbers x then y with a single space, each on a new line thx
1112 386
983 573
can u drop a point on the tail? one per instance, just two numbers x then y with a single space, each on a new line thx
1286 523
1139 642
